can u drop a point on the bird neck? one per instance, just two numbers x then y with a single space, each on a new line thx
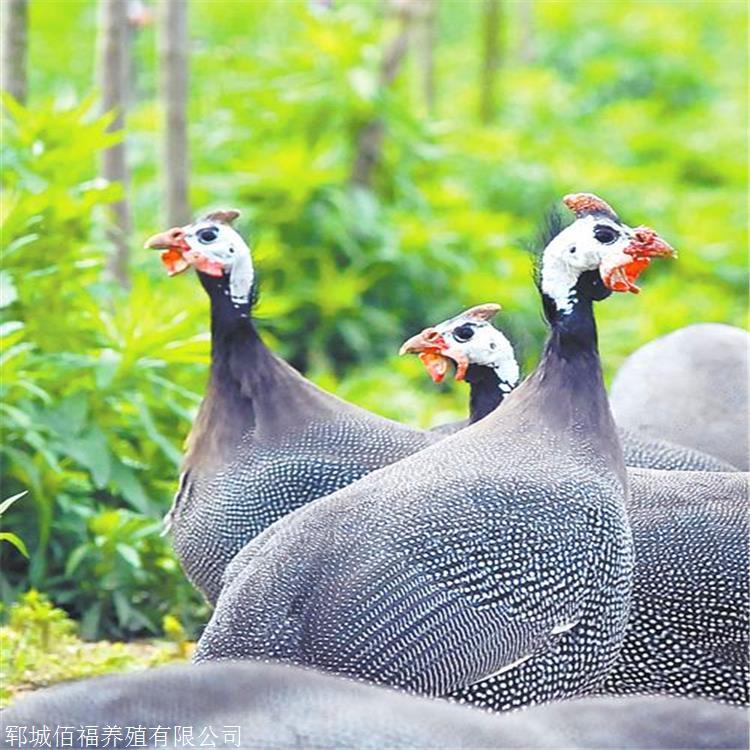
486 389
229 406
249 389
569 381
226 315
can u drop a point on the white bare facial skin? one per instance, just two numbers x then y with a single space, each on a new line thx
482 344
580 247
219 243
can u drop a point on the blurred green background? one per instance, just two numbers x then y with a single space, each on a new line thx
641 102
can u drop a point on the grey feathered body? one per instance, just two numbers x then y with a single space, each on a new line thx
641 451
457 561
266 441
689 633
277 707
217 513
689 629
691 389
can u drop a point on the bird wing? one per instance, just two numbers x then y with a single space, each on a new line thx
431 593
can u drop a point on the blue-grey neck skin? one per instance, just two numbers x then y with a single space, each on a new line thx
568 382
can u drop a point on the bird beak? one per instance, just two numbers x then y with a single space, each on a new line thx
177 256
648 244
436 354
172 238
619 270
430 338
173 244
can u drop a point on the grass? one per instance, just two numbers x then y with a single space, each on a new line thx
40 647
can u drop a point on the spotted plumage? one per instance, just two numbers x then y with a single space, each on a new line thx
689 626
689 633
266 440
217 512
504 541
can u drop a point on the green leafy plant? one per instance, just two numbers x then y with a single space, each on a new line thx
94 390
9 536
100 385
39 646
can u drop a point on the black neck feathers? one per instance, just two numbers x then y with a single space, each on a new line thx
485 392
249 388
226 315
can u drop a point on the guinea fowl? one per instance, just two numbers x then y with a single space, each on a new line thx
506 541
689 632
690 598
689 629
260 706
266 440
484 358
696 392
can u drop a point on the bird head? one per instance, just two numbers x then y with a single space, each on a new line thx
466 339
213 247
598 239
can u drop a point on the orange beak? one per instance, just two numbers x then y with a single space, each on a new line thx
177 255
619 271
435 354
173 244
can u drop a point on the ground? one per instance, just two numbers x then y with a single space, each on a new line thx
39 646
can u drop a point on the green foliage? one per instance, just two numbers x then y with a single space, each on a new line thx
9 536
175 632
641 102
87 398
39 646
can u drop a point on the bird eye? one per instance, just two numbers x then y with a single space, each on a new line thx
207 235
604 234
463 333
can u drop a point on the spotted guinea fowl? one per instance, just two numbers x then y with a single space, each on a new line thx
504 541
260 706
484 358
266 440
689 632
698 377
689 628
690 598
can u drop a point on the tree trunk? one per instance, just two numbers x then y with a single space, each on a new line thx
426 51
112 70
369 148
490 60
526 51
174 84
14 43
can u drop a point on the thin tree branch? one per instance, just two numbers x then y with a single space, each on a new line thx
112 67
174 84
14 48
369 148
490 61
